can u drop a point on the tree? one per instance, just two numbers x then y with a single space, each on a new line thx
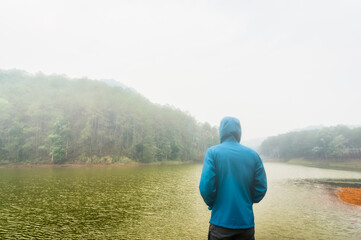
59 141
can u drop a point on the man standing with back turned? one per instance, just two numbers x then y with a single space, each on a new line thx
233 178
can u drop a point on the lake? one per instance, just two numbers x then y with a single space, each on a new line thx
163 202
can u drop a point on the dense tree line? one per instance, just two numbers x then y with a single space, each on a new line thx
332 143
54 119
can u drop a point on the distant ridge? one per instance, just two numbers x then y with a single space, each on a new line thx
315 127
113 83
311 127
46 119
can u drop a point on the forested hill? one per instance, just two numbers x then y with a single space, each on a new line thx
338 143
54 119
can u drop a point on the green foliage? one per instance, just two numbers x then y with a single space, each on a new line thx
334 143
58 140
81 120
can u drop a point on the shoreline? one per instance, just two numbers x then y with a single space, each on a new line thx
353 165
350 195
77 165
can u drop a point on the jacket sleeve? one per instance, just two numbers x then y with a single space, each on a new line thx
259 187
207 185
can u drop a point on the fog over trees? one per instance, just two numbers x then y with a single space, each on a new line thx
54 119
337 143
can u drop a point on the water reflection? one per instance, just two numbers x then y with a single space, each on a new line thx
302 204
163 202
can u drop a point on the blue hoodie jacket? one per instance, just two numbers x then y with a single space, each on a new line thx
233 178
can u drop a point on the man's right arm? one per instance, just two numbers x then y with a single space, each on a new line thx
207 185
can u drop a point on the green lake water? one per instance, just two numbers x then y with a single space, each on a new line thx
163 202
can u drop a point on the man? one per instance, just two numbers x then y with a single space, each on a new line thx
233 178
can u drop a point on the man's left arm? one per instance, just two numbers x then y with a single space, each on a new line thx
207 185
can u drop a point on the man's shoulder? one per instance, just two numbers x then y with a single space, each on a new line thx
213 148
248 149
240 147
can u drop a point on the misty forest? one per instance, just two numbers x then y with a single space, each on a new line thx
54 119
339 143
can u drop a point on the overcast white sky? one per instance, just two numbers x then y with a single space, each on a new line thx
276 65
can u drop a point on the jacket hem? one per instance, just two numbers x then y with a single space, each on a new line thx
232 226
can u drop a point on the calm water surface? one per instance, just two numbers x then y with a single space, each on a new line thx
163 202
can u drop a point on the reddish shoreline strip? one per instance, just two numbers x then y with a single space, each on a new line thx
350 195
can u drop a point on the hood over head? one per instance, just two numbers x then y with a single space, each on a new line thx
230 126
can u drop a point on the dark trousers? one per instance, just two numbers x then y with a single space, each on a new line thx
218 233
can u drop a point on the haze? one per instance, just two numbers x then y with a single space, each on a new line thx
276 65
